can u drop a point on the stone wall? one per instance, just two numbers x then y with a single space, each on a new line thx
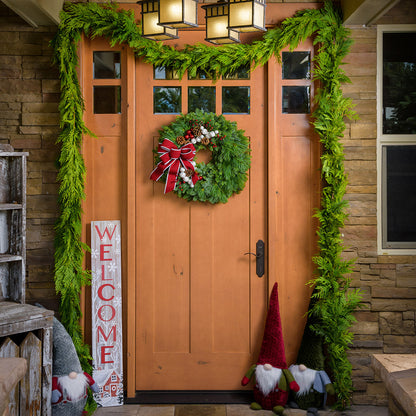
386 323
29 121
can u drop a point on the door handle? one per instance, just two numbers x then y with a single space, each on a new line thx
259 258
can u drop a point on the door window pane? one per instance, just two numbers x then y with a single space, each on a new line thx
240 73
167 99
400 177
296 65
295 100
200 74
202 98
106 65
162 72
107 100
236 100
399 83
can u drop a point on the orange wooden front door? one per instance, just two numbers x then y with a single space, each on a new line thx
200 305
194 308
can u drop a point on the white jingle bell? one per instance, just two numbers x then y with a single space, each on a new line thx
201 137
193 141
216 131
182 175
198 139
182 169
212 133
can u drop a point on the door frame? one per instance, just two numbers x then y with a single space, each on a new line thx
276 12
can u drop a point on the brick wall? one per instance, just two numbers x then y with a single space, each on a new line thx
29 121
386 324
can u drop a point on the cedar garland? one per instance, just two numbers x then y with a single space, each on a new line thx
334 301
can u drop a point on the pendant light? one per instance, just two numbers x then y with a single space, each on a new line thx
247 15
178 14
150 22
217 30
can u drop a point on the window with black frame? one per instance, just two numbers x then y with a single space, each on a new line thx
398 140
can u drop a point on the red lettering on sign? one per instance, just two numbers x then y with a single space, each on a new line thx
100 312
105 232
100 330
100 292
103 273
103 252
104 353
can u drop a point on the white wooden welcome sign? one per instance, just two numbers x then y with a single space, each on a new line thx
107 346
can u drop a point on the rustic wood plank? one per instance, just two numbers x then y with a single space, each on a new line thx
30 386
9 349
47 371
9 206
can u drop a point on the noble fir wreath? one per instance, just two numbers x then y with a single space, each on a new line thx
215 181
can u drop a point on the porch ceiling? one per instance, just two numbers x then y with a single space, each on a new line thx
37 12
46 12
365 12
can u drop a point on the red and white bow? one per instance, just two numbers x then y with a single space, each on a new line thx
171 159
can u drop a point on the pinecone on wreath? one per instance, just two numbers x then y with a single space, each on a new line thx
181 140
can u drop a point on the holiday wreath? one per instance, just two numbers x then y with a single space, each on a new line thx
215 181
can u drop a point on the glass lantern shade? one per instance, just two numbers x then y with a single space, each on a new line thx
247 15
150 22
178 13
217 30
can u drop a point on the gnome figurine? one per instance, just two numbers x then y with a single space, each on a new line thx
273 379
314 386
69 382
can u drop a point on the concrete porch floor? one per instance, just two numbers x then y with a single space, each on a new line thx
226 410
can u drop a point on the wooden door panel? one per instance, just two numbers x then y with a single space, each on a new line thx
200 304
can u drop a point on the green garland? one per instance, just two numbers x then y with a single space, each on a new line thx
334 302
226 173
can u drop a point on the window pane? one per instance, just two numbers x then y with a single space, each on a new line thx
400 168
200 74
236 100
167 100
162 72
240 73
295 100
107 100
106 65
296 65
399 83
201 97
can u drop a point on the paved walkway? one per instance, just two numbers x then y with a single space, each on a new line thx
226 410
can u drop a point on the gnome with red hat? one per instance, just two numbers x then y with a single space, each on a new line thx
273 379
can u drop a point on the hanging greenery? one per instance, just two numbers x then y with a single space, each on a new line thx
334 301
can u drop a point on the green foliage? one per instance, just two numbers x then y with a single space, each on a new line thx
334 301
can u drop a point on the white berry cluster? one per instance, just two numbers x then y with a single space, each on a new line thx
185 177
204 133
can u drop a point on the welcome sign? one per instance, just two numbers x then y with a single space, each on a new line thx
107 346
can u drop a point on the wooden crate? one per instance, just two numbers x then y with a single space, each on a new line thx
26 331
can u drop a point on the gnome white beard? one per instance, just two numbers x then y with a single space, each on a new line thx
267 380
74 387
304 378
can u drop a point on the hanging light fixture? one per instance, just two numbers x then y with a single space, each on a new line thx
150 22
217 30
178 14
247 15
